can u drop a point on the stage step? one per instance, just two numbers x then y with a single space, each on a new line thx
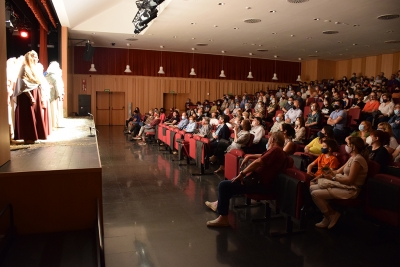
63 249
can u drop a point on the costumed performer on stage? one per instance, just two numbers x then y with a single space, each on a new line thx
54 78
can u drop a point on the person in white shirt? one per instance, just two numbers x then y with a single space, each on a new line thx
214 119
257 130
293 113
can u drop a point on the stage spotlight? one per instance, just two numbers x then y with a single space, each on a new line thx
23 33
148 16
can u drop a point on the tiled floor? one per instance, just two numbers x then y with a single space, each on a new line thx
154 215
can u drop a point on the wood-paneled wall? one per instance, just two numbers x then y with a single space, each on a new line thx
147 92
4 129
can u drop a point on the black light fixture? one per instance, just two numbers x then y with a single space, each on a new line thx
146 13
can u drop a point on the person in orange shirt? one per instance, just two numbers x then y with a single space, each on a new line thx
371 106
325 161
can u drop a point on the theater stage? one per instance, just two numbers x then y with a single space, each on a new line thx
53 185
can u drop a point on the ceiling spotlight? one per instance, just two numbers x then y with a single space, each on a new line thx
193 23
193 48
248 7
175 36
223 51
354 44
161 46
23 33
128 44
292 35
236 28
356 25
250 54
260 45
316 18
193 38
327 20
93 33
274 33
272 11
299 58
221 4
338 22
275 56
215 26
210 40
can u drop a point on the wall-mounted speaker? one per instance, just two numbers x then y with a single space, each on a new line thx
89 51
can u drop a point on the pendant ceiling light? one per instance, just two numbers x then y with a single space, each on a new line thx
250 76
161 71
298 77
192 70
128 68
275 78
92 68
222 75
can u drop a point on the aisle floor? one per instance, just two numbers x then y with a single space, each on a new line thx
154 215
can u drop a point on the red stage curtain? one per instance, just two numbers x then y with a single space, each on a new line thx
112 61
43 49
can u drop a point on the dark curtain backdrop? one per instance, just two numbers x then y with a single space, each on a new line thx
112 61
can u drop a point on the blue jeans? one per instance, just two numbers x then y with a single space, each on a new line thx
227 189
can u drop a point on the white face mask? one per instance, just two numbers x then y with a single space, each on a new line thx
190 121
237 106
259 106
183 117
226 112
246 107
289 102
297 123
348 149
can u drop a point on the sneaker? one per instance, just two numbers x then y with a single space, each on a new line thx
137 138
217 223
333 219
324 223
211 205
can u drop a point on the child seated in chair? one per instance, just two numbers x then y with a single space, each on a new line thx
326 161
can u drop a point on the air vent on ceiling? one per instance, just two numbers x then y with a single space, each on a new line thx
200 44
392 42
313 56
132 39
330 32
262 50
297 1
388 16
252 20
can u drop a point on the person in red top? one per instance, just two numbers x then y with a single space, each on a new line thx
326 159
371 106
265 168
148 128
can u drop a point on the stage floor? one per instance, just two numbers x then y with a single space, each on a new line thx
65 149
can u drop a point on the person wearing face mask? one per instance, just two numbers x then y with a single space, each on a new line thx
364 130
247 108
224 105
205 129
214 108
396 92
300 130
326 109
174 119
352 174
385 111
200 115
377 150
293 113
314 147
370 107
231 105
272 107
282 102
279 120
191 126
314 117
265 169
392 144
326 159
358 101
288 105
237 108
148 128
279 93
338 119
183 122
259 111
395 121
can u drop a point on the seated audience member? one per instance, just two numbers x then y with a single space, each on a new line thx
214 108
224 104
385 110
241 138
191 126
237 108
395 121
259 110
364 130
314 117
205 129
396 92
277 125
288 105
326 109
337 120
206 107
245 115
314 147
346 101
170 114
222 132
231 105
188 103
350 93
148 128
359 103
351 174
199 116
247 108
265 168
396 154
325 160
300 99
300 130
371 106
227 112
135 119
174 120
214 119
163 117
293 113
282 102
278 93
136 127
377 150
257 130
392 145
182 124
289 134
272 107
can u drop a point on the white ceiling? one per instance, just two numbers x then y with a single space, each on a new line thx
104 22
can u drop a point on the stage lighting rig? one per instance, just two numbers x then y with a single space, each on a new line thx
146 13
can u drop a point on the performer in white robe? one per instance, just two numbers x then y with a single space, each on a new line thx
54 78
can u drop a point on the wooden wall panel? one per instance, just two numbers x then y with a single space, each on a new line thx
357 66
326 69
387 64
370 66
4 128
147 92
309 70
343 68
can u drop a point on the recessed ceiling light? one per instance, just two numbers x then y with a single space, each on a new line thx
193 23
292 35
252 20
245 43
275 56
272 11
193 48
340 54
201 44
297 1
161 46
354 44
327 20
347 49
93 33
248 7
313 56
128 44
339 42
330 32
299 58
215 26
274 33
388 16
221 4
131 39
262 50
389 31
250 54
210 40
236 28
338 22
253 44
356 25
223 51
392 42
316 18
316 51
193 38
309 38
174 36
